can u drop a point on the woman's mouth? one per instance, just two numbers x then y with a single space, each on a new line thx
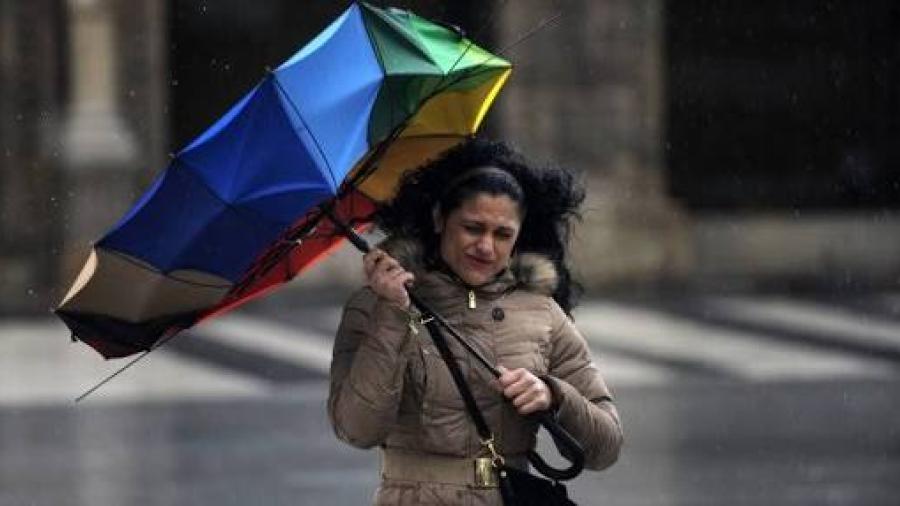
479 263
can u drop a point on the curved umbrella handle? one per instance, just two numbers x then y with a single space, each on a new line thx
567 445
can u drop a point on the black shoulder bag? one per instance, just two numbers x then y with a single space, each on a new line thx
518 487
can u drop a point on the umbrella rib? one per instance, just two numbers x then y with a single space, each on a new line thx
471 42
371 164
527 35
479 68
111 376
287 242
243 211
141 265
254 107
439 88
388 83
250 215
125 367
296 109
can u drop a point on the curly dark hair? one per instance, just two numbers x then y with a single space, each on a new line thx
550 197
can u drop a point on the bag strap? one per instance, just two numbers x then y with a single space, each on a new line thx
471 406
569 447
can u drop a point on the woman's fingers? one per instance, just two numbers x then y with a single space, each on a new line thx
538 404
383 263
390 273
370 260
527 392
403 278
516 381
387 277
377 258
399 280
376 262
525 397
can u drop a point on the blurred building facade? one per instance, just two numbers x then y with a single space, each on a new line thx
724 144
33 82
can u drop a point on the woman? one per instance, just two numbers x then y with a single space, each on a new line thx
482 236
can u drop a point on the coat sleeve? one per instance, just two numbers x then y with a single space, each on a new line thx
584 404
367 370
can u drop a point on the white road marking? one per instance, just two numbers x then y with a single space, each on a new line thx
620 370
38 365
743 354
292 343
789 314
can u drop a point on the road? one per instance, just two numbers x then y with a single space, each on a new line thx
753 399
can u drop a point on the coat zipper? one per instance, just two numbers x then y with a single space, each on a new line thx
471 299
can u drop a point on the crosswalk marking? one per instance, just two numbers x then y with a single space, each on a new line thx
747 355
307 348
746 338
789 314
619 370
38 366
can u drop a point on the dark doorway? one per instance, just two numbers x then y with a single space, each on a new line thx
776 105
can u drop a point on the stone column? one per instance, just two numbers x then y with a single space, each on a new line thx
99 148
588 93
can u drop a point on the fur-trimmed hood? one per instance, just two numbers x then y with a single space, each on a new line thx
530 271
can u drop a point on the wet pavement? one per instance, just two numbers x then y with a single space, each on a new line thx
694 444
221 421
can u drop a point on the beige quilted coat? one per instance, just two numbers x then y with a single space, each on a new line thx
390 388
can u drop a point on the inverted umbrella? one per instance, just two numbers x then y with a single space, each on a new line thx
238 211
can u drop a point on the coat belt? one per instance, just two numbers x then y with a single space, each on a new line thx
429 467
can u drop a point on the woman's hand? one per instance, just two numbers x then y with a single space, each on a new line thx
527 392
387 278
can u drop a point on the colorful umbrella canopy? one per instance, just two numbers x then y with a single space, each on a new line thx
236 213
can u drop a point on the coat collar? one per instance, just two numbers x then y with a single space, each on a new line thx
529 271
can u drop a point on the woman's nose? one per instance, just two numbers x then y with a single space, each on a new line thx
485 245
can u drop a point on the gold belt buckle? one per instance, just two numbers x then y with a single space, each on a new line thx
485 473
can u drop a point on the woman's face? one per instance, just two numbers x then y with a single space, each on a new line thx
477 238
